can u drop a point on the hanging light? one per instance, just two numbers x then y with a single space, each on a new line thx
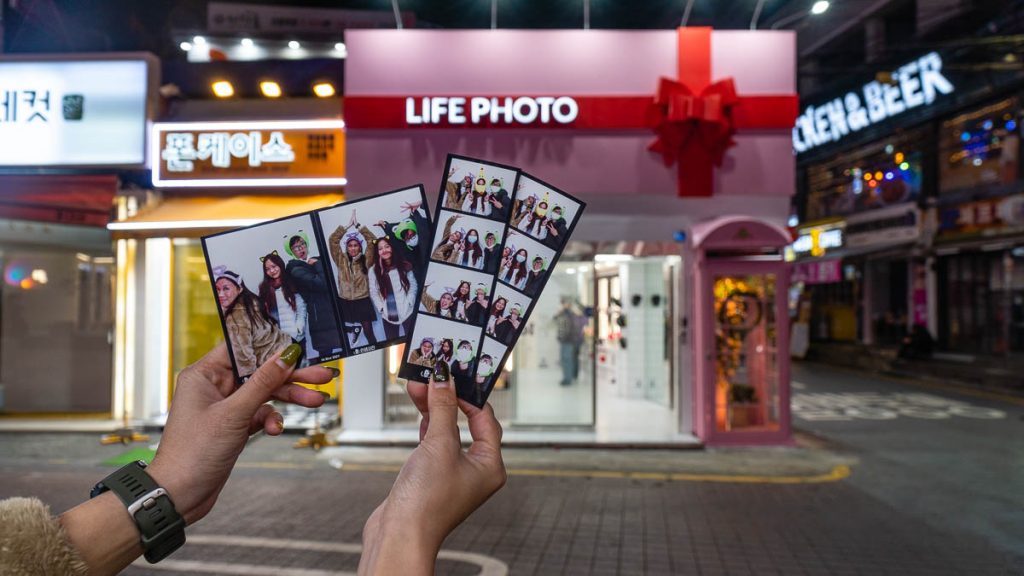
223 89
270 89
820 7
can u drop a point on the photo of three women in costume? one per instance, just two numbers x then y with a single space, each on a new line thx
524 263
543 212
456 294
441 340
478 188
379 251
272 289
468 241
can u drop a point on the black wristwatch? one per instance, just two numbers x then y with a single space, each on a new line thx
161 527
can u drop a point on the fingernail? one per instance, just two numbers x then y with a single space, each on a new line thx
290 356
441 374
325 395
334 372
280 421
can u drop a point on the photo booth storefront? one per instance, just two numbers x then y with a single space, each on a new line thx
607 356
167 314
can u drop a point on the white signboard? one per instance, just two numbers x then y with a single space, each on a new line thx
232 17
73 113
915 84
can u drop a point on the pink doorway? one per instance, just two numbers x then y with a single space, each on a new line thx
741 368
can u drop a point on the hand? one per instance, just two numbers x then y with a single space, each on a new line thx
311 261
210 422
451 171
411 206
383 224
439 486
352 221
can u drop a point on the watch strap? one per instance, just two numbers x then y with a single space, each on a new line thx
161 527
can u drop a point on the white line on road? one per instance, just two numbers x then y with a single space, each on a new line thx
488 566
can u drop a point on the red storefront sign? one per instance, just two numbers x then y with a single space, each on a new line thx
693 118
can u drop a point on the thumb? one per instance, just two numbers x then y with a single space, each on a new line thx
269 377
442 408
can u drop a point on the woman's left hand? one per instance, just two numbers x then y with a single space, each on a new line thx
210 421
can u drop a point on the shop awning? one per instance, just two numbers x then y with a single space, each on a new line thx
198 216
79 199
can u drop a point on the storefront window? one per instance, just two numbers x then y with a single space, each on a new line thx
195 324
56 311
881 174
976 306
746 366
980 147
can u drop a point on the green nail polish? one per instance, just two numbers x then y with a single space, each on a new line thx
334 372
441 371
326 396
291 354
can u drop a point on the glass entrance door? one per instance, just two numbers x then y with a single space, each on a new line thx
745 351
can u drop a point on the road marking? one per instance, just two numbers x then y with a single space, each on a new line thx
488 565
847 406
837 473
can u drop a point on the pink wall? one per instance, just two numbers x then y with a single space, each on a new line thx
563 62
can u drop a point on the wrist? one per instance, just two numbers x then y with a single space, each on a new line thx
183 494
400 543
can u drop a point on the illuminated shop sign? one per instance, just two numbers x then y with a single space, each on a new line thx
885 226
74 113
914 84
212 154
818 240
524 110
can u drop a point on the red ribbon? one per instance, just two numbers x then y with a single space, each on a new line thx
695 120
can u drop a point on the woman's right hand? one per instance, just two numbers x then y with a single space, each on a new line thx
439 486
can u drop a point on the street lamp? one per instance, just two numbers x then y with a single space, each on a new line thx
818 8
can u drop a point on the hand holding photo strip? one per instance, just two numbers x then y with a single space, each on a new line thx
539 219
472 211
282 281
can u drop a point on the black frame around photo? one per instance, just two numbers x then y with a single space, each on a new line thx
323 251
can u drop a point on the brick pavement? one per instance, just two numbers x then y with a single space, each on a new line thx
544 525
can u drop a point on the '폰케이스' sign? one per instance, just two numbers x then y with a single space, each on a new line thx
286 153
915 84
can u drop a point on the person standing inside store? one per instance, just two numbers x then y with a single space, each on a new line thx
570 337
393 289
254 337
210 423
281 300
310 278
353 254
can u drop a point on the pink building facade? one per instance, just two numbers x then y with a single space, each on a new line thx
707 245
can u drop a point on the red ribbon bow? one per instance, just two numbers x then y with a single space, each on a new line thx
689 124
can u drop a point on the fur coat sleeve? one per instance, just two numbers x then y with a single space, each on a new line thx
32 542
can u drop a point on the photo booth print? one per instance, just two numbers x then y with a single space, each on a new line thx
287 281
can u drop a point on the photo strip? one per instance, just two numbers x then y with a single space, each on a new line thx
543 212
440 340
507 314
379 248
468 241
456 294
272 290
530 252
525 263
479 188
473 200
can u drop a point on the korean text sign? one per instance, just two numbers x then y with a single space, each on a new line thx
73 113
285 153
